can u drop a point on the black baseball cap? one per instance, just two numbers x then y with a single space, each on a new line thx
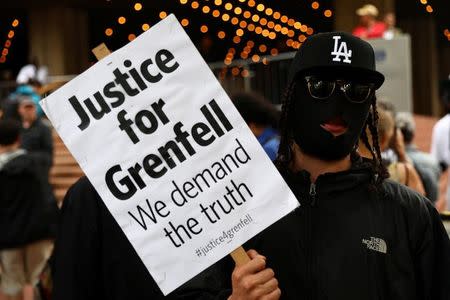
337 52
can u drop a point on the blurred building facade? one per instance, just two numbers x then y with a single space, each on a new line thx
61 33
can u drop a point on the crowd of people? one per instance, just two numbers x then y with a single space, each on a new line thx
28 210
367 227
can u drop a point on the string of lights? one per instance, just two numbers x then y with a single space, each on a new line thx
235 21
260 25
264 22
429 9
274 19
272 24
327 12
245 16
242 24
122 20
8 42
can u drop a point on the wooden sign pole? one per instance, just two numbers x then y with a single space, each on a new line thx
101 51
239 255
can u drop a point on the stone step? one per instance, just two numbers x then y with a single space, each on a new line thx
63 154
66 171
63 182
64 160
59 146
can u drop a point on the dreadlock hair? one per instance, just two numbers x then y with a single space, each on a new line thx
284 157
372 124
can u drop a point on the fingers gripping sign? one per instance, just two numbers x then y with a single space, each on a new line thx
252 280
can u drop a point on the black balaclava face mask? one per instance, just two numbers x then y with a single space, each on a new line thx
311 116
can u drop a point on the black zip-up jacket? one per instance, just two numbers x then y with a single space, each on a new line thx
25 214
347 241
350 240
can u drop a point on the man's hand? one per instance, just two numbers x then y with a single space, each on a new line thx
252 281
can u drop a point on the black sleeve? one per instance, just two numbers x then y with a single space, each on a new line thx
432 254
40 146
76 270
47 141
94 260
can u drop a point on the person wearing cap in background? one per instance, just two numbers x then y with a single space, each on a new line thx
36 136
356 235
24 90
425 164
369 27
36 139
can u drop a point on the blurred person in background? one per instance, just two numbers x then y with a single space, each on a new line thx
440 145
426 165
262 119
391 30
26 228
390 154
30 90
400 171
24 90
395 150
369 27
33 71
36 136
36 139
10 107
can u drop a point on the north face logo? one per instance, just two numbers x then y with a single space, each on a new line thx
340 49
375 244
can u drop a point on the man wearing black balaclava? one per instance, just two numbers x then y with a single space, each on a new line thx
356 234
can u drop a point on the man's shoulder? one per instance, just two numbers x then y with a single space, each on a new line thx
82 188
82 183
81 195
408 200
21 164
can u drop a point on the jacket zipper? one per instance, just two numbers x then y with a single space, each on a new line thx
312 193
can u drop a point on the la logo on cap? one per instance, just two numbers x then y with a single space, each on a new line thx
340 49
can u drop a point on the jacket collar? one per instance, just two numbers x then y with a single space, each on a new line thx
359 173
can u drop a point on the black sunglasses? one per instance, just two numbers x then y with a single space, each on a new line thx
353 91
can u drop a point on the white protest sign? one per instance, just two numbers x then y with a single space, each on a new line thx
168 153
